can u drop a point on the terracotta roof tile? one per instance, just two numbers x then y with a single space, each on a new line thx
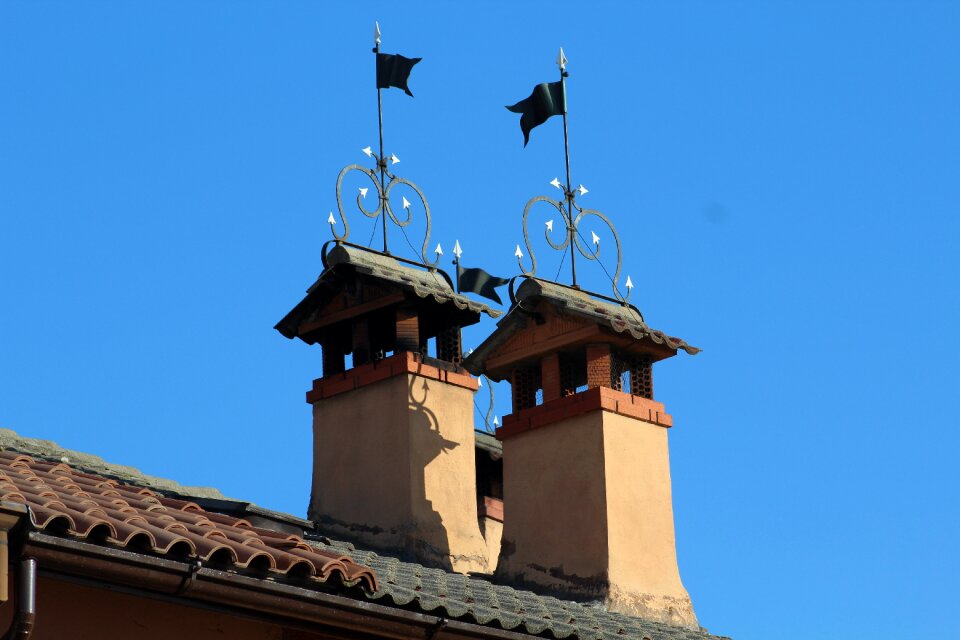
67 502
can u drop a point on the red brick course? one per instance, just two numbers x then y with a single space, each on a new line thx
597 398
598 365
396 365
550 377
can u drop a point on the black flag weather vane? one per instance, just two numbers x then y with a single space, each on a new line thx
393 70
547 100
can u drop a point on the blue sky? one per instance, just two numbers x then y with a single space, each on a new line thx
784 177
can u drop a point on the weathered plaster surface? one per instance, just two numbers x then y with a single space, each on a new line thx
588 513
394 469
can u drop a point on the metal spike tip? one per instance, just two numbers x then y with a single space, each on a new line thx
549 225
331 220
406 203
394 159
556 182
376 32
595 237
479 382
562 60
457 251
629 284
363 192
368 151
496 421
438 250
518 253
583 190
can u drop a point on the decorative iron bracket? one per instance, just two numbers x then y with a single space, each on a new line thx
384 207
572 235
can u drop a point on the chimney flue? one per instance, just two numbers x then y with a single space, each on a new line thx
394 465
587 506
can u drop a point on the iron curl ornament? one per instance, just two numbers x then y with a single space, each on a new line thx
383 185
572 215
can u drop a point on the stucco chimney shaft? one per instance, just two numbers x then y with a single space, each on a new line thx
394 463
587 505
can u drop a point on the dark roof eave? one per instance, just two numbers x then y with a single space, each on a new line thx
159 577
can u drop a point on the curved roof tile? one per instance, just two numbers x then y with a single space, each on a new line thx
64 501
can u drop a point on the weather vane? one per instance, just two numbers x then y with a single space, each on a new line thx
550 99
393 70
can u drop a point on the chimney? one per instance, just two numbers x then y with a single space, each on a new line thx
393 437
587 508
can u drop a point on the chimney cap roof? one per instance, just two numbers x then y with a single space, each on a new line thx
616 319
351 260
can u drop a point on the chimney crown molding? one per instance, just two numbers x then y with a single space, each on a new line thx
595 399
399 364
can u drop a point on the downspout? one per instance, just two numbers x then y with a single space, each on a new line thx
11 516
26 614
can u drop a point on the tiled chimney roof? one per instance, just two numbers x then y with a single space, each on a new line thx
614 318
67 502
428 285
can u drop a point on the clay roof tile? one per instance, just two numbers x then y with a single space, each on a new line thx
64 501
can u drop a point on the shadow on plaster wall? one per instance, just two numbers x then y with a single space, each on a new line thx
431 542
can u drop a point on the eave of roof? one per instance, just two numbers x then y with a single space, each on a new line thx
83 506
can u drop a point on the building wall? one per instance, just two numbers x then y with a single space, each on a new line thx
66 610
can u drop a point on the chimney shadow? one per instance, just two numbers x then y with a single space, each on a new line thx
430 544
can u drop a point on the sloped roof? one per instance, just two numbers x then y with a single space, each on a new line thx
621 319
429 285
84 506
460 597
405 585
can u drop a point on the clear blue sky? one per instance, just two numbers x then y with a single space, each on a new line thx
785 177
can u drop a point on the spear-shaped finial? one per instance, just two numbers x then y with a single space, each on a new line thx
376 33
561 60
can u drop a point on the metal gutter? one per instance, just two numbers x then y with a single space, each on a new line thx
153 576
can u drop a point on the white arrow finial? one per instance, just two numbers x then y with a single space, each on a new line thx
368 151
583 190
331 220
479 382
394 159
518 253
496 421
562 60
438 250
629 284
363 192
549 225
596 238
457 251
406 203
376 33
556 182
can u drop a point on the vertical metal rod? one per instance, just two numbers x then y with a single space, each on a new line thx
456 265
569 193
381 161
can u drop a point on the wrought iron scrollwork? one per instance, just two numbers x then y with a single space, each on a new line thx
384 206
571 233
